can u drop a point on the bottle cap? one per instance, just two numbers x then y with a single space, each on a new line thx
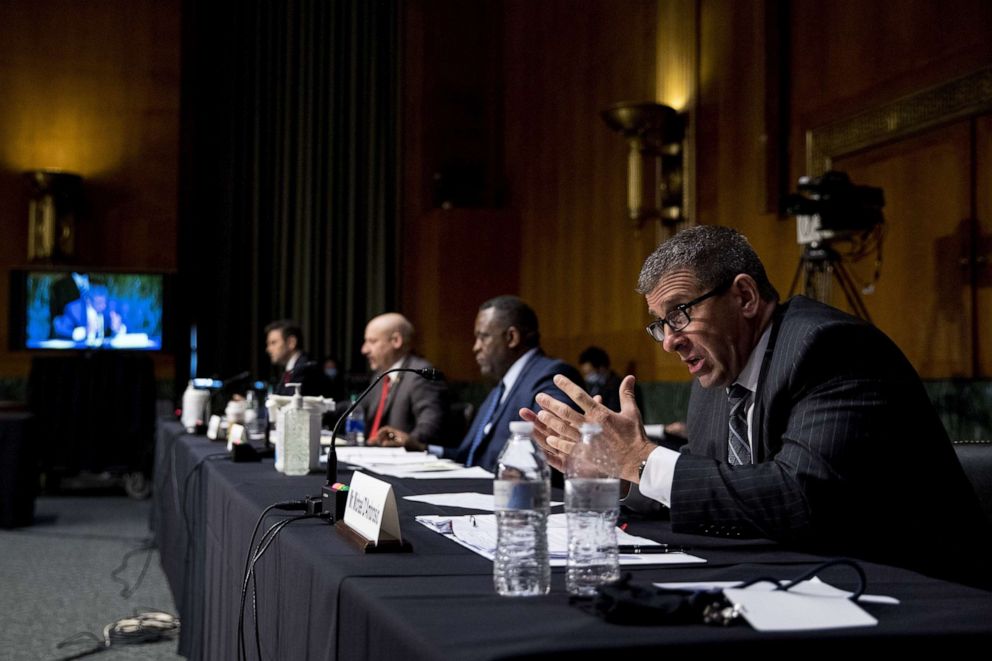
521 427
590 428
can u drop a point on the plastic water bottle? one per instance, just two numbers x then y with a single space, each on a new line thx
522 494
592 504
354 426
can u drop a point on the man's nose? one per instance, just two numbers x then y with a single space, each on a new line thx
673 340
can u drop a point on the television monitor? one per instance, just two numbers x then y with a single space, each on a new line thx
84 310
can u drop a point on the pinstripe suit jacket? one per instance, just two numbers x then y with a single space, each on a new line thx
849 454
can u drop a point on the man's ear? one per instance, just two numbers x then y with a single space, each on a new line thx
513 337
746 292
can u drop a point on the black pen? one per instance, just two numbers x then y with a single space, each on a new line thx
651 548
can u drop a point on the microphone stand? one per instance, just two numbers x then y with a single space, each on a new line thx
328 493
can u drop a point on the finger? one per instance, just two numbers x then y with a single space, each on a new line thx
628 398
555 459
559 409
540 431
575 392
598 399
558 427
562 446
389 437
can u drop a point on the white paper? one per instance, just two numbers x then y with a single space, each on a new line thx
397 462
453 474
813 587
784 610
464 499
478 533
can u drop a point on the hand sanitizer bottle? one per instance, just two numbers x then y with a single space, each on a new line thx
296 436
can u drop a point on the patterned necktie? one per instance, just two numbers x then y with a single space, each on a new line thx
382 407
485 417
739 450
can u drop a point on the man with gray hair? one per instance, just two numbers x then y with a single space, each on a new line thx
402 402
805 425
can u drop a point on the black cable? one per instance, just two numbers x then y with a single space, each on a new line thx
263 545
139 628
254 578
126 591
286 505
182 506
785 586
249 573
185 494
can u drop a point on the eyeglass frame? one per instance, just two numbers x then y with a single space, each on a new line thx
683 308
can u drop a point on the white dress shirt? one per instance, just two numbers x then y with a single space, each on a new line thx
659 471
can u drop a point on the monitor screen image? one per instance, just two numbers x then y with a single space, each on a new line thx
91 310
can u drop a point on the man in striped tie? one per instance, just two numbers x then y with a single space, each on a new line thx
805 425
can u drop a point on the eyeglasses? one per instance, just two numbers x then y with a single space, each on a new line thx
679 317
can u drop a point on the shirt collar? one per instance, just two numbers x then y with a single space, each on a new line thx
396 375
752 368
291 363
512 374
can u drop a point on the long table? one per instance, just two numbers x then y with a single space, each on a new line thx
319 598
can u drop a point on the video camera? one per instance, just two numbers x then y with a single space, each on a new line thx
831 207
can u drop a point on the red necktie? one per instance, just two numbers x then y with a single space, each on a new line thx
381 408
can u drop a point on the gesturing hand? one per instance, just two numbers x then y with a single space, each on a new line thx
556 427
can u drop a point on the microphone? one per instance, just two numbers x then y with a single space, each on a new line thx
327 491
237 378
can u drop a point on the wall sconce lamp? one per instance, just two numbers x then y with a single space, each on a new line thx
655 134
54 200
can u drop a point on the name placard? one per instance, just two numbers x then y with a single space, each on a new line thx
371 509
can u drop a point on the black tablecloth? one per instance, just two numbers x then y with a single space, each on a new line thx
318 598
94 411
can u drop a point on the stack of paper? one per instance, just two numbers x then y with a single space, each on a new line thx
397 462
478 533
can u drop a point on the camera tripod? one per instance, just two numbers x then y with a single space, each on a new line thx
821 265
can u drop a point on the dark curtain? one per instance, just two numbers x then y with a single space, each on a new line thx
289 175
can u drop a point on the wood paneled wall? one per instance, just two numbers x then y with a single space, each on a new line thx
767 72
92 88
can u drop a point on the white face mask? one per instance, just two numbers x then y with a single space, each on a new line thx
331 372
594 379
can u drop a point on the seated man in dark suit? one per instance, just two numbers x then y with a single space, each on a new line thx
805 425
508 350
284 344
92 318
401 402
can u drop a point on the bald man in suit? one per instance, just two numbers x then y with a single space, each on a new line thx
805 425
408 403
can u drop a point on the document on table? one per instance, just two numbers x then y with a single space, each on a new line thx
398 462
813 587
809 605
478 533
467 500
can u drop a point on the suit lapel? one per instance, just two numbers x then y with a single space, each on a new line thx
762 394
